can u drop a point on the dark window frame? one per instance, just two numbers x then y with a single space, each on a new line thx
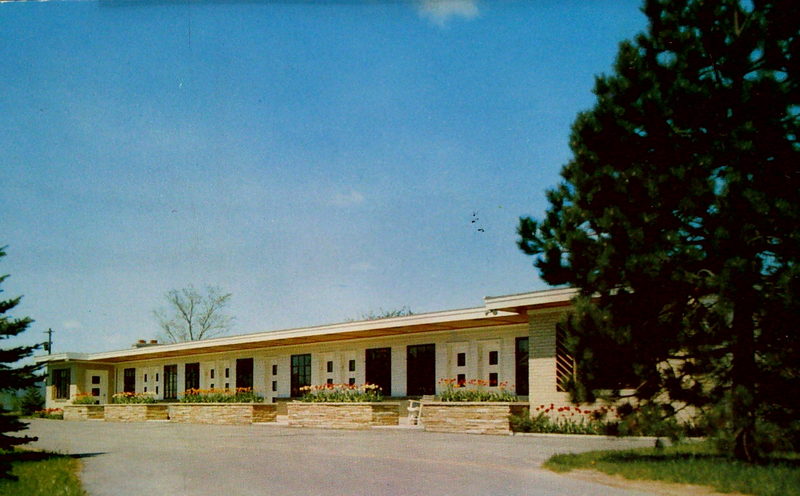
171 382
61 382
129 380
300 373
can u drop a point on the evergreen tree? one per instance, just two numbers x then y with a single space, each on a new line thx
13 378
677 219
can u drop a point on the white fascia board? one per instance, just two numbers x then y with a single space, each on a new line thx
534 299
61 357
449 316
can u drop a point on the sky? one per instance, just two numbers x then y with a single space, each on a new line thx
317 159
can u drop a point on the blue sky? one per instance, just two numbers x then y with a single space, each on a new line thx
318 160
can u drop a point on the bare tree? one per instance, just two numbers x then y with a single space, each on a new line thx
192 316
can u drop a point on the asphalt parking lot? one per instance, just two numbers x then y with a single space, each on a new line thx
162 458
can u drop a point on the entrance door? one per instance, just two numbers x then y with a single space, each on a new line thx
191 376
244 373
170 382
300 373
421 369
97 385
378 369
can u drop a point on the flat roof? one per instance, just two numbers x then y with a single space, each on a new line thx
497 311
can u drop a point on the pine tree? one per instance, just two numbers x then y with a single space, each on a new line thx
13 378
677 218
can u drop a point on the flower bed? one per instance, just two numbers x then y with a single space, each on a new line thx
344 415
479 417
85 399
136 412
342 393
49 413
475 390
238 395
136 398
83 412
222 413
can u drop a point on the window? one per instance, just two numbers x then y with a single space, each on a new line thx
145 378
493 379
191 376
461 379
156 389
300 373
156 376
275 385
351 366
145 389
170 382
492 358
378 368
212 373
227 372
95 379
461 359
129 380
329 366
244 373
212 386
227 385
521 355
329 381
274 369
95 391
351 381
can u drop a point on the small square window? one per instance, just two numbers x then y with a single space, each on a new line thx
492 358
274 385
212 386
461 359
145 378
330 367
145 389
95 391
351 381
227 372
227 385
274 399
212 373
95 379
274 369
493 379
351 366
329 381
461 379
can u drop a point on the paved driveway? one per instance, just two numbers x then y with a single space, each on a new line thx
161 458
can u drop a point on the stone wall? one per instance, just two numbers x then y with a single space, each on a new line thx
222 413
135 412
83 412
469 417
342 415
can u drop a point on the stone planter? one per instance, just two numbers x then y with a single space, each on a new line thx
469 417
83 412
342 415
222 413
135 412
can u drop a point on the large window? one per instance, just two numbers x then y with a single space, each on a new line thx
421 369
378 369
301 373
244 373
129 380
170 382
61 380
191 375
521 359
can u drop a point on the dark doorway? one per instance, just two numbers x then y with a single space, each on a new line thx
301 373
129 381
244 373
378 369
421 369
521 366
170 382
191 375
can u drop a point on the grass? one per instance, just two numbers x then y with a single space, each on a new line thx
41 473
695 463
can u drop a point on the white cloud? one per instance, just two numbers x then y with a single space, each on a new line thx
71 324
441 11
343 200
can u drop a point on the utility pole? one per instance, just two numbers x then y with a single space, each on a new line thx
49 344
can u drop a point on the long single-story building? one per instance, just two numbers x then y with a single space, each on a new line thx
510 341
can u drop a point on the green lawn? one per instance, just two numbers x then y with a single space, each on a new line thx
45 474
695 463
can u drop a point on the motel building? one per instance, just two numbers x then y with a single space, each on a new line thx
510 340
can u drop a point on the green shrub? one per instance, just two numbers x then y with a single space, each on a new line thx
30 402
